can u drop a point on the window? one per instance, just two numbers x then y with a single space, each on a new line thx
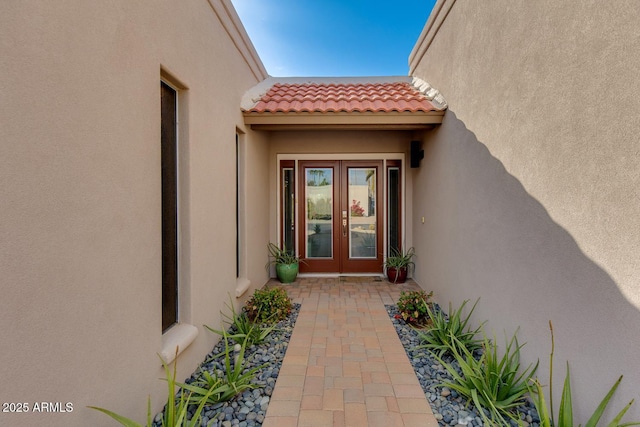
239 203
394 201
169 179
287 174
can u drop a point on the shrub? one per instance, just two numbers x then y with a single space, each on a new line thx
268 305
413 307
442 330
492 382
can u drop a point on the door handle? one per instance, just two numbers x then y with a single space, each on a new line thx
344 228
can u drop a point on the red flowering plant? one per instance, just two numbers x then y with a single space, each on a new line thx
356 209
413 307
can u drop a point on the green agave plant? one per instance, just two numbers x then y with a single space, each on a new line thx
493 382
400 258
247 332
281 256
438 337
565 414
211 389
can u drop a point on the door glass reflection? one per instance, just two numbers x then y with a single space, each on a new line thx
362 213
319 209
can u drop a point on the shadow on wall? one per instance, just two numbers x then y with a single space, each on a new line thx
485 236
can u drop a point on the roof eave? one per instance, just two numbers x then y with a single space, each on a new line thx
343 120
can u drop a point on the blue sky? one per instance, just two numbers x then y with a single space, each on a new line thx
318 38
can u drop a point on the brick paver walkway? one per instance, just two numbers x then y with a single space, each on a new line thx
345 365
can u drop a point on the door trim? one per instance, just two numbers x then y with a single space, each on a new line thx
386 158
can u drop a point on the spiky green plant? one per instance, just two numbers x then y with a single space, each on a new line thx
565 414
493 382
176 410
236 379
441 329
246 331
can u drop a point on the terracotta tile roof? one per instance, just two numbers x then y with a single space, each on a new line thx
343 97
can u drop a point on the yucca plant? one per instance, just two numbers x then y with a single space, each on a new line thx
281 256
441 329
565 415
236 379
493 382
176 410
246 331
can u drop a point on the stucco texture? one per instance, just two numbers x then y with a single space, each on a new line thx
530 188
80 252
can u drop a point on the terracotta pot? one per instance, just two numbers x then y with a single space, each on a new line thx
287 273
397 275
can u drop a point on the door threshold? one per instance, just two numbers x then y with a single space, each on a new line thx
341 275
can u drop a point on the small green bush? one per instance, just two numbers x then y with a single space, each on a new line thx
442 330
413 307
268 305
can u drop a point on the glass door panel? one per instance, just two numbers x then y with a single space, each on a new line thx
362 213
319 212
361 234
340 216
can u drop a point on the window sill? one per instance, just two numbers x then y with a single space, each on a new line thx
180 336
242 285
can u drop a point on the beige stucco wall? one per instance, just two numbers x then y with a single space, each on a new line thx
530 186
339 144
80 245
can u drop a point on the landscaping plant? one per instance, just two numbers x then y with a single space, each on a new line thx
398 263
413 307
442 330
268 305
176 409
491 382
565 415
399 258
211 389
281 256
245 330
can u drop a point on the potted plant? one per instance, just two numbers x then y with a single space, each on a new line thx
286 262
398 263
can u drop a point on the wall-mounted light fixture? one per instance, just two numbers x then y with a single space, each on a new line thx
416 154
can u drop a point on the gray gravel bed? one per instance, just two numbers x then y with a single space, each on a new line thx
249 408
449 408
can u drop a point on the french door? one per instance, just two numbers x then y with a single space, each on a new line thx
340 216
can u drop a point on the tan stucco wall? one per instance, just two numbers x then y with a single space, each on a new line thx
80 252
530 186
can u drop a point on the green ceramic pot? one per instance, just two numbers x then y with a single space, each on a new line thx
287 273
